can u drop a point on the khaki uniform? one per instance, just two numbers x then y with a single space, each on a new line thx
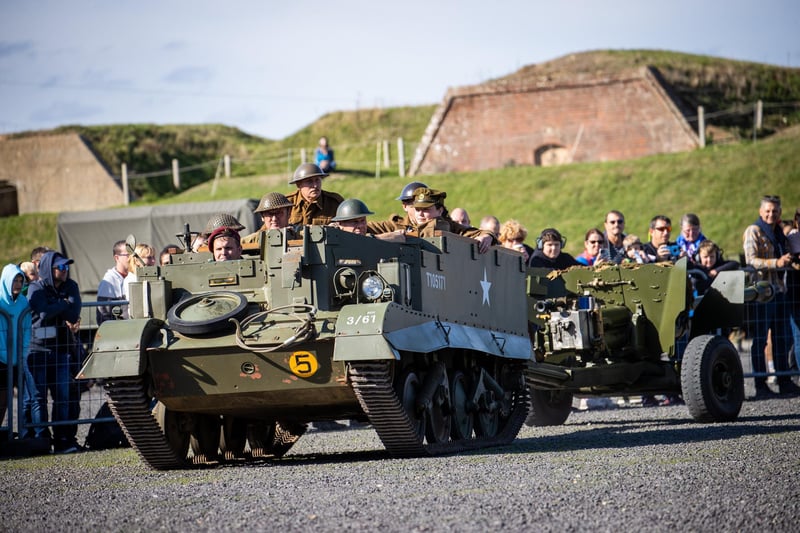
320 212
291 233
395 223
445 224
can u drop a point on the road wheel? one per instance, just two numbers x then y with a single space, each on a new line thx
439 419
175 427
461 426
205 438
712 380
409 389
549 407
233 437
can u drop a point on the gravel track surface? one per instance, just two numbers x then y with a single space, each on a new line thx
626 469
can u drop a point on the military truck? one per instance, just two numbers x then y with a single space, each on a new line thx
625 330
426 340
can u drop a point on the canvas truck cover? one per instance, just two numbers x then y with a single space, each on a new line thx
88 237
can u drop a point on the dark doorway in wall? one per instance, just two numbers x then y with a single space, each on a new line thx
8 200
549 155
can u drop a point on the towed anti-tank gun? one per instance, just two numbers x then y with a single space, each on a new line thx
634 329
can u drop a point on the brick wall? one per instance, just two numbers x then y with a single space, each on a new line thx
594 121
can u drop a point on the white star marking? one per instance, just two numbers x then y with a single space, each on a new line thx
485 285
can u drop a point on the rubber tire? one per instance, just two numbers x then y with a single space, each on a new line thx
712 379
461 426
209 325
549 407
174 425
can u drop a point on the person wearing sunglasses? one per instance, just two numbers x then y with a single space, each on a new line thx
614 235
111 287
660 248
594 249
55 301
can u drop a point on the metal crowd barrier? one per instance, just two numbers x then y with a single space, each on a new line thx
92 396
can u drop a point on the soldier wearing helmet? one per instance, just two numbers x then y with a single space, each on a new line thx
274 209
397 223
310 204
431 215
217 220
351 216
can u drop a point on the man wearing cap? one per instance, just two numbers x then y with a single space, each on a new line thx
310 204
396 223
431 216
225 244
275 210
55 301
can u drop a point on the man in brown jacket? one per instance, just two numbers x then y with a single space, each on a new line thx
310 204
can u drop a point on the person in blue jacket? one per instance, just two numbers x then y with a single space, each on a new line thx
323 156
15 330
56 304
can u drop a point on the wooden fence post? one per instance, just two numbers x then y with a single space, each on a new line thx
176 175
289 161
378 160
303 157
701 126
401 157
226 161
126 197
386 159
758 118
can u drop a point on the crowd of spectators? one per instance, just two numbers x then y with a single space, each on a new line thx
51 348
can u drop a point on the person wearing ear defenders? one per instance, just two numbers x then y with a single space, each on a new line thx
549 251
709 261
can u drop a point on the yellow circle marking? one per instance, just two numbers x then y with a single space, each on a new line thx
303 364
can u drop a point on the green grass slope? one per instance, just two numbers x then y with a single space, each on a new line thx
722 184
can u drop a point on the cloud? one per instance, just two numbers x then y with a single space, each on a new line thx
189 75
173 46
65 111
11 48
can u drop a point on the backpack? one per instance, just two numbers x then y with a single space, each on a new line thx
106 434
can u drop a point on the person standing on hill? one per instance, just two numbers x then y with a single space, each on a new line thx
310 204
765 250
323 156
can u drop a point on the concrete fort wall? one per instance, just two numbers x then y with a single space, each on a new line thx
600 120
54 173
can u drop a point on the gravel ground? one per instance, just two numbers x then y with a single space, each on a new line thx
630 469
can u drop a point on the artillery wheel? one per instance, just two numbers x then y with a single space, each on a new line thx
233 437
409 388
549 407
207 312
175 427
205 438
439 419
712 379
461 426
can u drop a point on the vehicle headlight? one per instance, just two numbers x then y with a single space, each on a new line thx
372 287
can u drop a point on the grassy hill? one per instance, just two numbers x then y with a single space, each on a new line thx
722 184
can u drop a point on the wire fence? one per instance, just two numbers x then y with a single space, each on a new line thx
763 355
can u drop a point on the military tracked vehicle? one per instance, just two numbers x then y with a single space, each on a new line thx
634 329
425 340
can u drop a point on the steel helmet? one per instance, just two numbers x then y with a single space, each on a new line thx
272 200
350 209
307 170
408 191
219 220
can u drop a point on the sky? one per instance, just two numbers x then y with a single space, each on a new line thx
271 68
